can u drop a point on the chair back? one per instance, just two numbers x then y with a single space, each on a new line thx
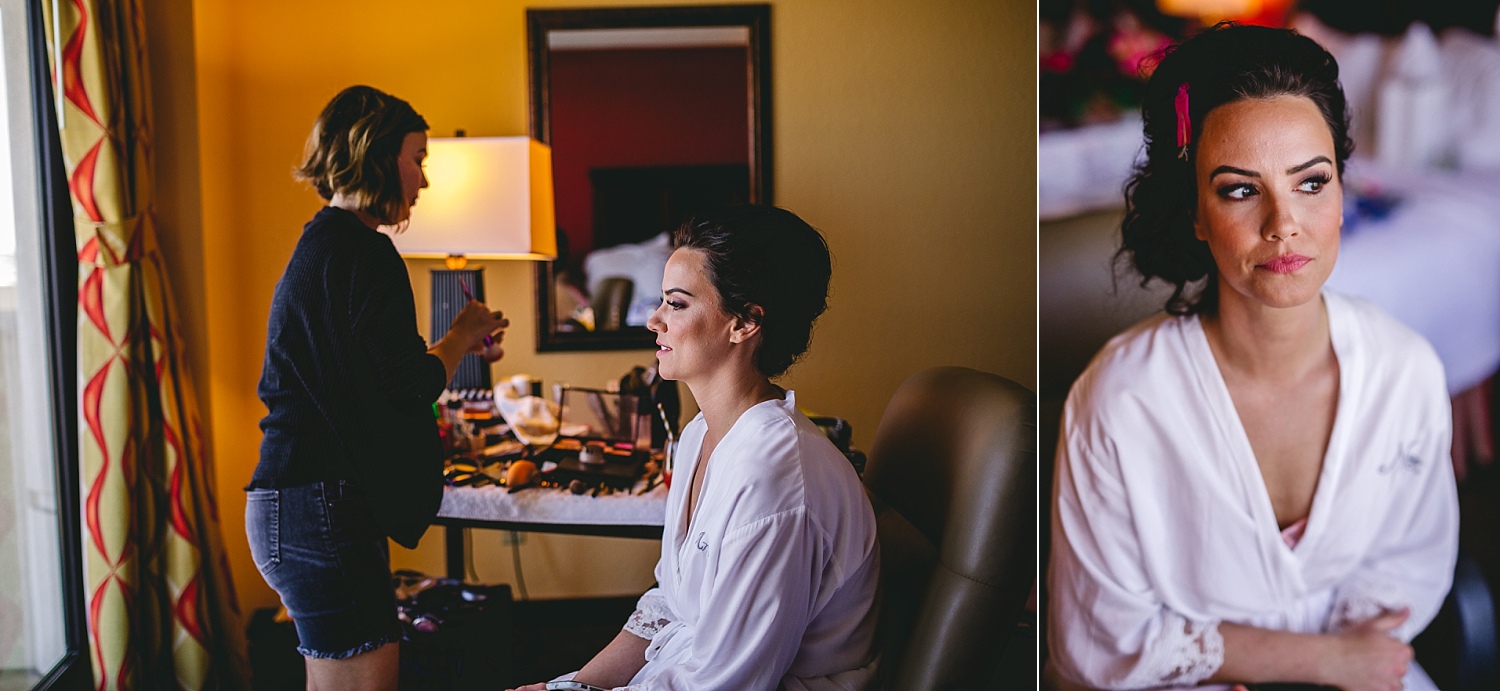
1458 649
611 303
841 433
952 477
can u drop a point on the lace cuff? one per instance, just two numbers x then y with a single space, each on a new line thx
651 615
1189 653
1355 605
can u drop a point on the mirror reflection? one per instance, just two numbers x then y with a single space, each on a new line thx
648 125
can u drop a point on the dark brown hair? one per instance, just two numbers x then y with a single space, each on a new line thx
1223 64
353 150
766 257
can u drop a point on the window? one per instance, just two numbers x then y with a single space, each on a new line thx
42 640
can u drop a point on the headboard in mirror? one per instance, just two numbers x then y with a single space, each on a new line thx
652 113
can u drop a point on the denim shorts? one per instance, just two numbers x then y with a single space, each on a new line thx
318 547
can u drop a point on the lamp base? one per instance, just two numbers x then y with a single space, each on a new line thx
448 299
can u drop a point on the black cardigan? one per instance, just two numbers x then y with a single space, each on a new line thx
347 382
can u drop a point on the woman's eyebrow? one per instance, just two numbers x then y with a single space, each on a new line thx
1299 168
1252 174
1231 169
669 291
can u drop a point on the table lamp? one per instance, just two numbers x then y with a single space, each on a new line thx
1262 12
488 198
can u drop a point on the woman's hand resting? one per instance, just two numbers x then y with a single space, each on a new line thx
1366 658
612 668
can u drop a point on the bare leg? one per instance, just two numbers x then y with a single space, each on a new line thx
376 671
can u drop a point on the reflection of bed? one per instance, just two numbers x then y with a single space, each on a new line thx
611 302
641 266
635 211
1434 263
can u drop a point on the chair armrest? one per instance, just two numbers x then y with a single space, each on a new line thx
1476 625
1458 649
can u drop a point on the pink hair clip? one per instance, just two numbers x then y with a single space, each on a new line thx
1184 125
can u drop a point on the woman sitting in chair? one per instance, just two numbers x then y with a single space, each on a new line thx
1255 487
769 563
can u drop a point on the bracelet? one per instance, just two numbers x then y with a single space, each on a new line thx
572 686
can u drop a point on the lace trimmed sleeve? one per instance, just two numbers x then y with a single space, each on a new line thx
651 615
1116 630
1364 599
1188 653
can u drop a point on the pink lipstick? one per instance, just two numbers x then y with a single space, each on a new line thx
1285 264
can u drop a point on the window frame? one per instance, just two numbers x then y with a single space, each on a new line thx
60 292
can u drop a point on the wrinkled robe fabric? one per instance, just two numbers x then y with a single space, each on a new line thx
772 583
1163 528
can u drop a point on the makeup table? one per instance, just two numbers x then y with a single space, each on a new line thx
548 510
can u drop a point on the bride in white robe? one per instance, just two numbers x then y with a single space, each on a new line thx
769 563
778 504
1256 487
1156 554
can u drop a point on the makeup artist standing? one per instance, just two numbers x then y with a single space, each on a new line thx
350 454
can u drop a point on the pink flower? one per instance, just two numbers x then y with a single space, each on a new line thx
1131 45
1057 62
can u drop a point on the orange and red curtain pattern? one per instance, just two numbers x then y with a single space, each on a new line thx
161 608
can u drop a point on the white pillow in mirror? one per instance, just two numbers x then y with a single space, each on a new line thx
643 263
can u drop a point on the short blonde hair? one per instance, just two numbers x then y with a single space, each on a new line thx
353 150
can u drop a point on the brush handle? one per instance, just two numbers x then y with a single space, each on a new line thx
488 341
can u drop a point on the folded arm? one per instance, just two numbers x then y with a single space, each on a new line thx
1410 564
1114 631
1365 656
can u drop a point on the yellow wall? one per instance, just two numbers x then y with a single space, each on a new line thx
903 130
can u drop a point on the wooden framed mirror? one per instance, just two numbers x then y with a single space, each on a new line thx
652 113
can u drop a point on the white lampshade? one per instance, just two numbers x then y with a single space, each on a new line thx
487 198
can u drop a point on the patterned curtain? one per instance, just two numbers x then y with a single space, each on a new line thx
162 612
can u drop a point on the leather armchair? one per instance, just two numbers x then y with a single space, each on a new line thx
841 433
1458 649
952 476
611 302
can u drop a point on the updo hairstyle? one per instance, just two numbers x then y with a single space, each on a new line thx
1223 64
767 257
